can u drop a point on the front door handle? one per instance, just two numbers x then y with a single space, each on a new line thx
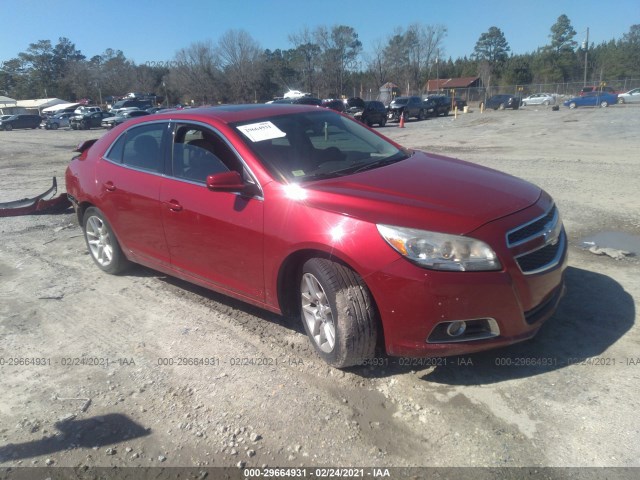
174 205
109 186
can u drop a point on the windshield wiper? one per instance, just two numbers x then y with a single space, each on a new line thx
380 163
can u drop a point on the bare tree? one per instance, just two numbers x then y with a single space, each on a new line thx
377 66
196 73
410 54
241 60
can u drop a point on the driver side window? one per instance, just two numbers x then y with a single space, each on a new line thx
198 152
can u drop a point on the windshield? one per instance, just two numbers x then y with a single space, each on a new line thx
315 145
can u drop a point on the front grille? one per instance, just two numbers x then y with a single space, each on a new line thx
543 258
530 229
547 241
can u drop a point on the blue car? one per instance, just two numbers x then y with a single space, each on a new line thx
592 99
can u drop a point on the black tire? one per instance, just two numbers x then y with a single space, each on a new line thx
8 128
383 122
573 105
102 243
54 126
335 302
604 104
620 100
501 106
421 114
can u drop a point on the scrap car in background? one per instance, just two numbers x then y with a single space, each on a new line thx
122 117
369 112
57 121
632 96
89 120
592 99
539 99
305 212
501 102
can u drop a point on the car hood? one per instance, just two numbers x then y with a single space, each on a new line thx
425 191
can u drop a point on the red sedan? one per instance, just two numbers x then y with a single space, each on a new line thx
303 211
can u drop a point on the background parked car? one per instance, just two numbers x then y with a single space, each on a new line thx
123 104
88 121
57 121
334 104
592 99
306 100
500 102
539 99
632 96
440 105
372 112
83 110
597 88
20 121
458 102
407 106
112 121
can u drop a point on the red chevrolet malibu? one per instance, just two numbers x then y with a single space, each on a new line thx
303 211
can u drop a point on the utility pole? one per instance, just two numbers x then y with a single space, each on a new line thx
586 53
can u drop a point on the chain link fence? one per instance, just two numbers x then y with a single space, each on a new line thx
568 89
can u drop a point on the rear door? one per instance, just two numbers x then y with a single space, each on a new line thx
129 177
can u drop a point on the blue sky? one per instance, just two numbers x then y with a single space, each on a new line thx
154 30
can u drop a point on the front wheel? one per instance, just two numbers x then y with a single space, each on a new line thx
621 101
338 313
545 103
421 115
572 105
8 128
604 104
383 122
102 243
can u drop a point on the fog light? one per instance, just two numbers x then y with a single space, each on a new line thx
455 329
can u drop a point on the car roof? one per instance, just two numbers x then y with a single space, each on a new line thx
238 113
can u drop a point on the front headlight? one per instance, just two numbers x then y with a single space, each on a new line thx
440 251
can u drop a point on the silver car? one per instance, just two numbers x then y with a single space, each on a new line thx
57 121
539 99
632 96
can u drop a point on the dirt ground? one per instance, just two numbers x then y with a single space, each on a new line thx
108 379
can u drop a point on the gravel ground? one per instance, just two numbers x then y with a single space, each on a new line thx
568 398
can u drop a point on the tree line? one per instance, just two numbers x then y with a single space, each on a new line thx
328 62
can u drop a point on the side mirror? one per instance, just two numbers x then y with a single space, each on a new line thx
226 182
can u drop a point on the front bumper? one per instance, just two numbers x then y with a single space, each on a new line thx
502 307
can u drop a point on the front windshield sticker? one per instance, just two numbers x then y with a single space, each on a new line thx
258 132
298 173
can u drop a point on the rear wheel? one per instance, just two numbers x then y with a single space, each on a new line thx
8 128
338 313
501 106
102 243
421 115
545 103
604 104
54 126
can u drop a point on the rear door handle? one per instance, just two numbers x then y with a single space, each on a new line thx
174 205
109 186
